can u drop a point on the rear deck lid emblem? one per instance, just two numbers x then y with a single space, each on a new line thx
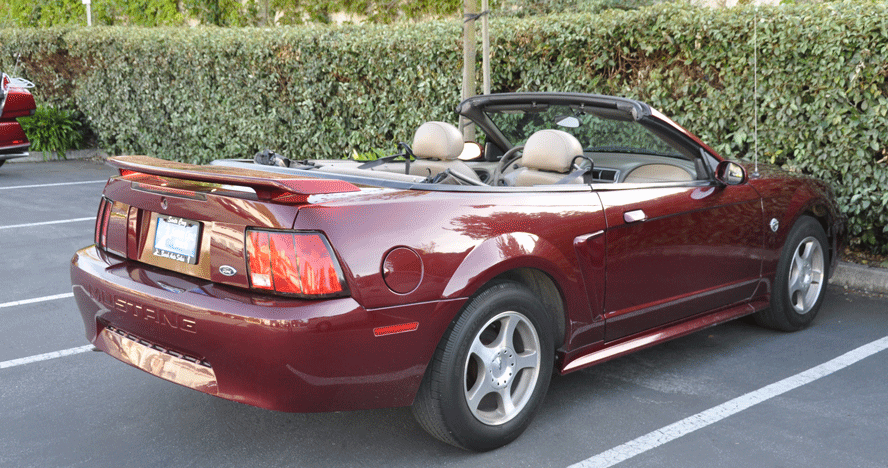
227 270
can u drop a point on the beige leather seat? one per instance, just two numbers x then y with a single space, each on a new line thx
547 157
437 145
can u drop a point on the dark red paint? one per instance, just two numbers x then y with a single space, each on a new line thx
14 103
411 258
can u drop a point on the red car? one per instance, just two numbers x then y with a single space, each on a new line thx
14 102
455 277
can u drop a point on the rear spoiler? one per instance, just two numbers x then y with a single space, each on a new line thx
269 186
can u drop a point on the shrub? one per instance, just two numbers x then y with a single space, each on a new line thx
52 130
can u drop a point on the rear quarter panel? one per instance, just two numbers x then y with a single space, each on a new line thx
464 240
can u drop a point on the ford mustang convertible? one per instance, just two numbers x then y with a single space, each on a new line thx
454 277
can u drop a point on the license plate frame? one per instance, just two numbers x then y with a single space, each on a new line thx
177 239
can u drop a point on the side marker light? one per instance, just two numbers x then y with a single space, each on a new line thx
393 329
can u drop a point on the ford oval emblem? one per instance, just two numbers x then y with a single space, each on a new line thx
227 270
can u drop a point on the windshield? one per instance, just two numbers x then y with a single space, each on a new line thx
594 128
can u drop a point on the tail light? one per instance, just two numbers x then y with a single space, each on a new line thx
296 263
102 219
12 136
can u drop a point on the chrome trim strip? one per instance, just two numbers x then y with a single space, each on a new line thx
161 364
3 91
23 154
668 333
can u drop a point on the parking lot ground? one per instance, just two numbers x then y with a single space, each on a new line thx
89 410
55 172
36 255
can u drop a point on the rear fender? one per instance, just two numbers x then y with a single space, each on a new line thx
509 252
500 254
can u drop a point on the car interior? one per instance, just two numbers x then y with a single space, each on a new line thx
529 145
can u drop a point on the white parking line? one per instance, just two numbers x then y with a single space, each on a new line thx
45 357
713 415
37 299
44 223
54 185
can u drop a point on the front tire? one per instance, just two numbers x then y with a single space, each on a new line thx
801 278
490 372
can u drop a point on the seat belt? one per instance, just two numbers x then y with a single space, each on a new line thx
586 173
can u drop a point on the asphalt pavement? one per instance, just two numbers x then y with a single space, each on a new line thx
735 395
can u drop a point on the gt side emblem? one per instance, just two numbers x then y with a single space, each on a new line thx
775 225
227 270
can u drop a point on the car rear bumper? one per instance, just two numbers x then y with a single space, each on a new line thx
13 154
277 353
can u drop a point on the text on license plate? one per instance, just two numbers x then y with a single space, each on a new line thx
177 239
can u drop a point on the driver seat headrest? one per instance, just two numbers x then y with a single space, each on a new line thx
551 150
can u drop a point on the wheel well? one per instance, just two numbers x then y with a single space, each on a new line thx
544 287
821 215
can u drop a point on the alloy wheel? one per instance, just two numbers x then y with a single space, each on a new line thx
502 368
806 275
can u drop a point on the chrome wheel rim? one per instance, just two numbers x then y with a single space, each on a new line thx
806 275
502 368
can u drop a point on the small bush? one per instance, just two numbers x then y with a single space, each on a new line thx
52 130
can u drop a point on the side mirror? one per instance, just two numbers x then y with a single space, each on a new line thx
471 150
730 173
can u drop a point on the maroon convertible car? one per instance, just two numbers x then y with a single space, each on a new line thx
454 277
15 102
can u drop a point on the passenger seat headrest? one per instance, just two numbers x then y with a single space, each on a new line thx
551 150
437 140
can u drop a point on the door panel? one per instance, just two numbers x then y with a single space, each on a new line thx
674 252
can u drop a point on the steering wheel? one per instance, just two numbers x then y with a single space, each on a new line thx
508 158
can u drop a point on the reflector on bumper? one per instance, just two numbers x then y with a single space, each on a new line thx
164 365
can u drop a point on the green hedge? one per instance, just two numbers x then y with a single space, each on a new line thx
45 13
205 93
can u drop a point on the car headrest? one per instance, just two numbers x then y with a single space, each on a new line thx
551 150
437 140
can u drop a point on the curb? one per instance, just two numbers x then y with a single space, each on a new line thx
37 156
861 277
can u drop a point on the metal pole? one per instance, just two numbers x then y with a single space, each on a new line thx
470 9
485 38
89 16
755 93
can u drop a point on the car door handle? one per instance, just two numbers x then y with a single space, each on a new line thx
634 216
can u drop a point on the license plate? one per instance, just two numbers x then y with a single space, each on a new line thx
177 239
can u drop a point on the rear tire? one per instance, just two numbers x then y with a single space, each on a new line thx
801 278
490 372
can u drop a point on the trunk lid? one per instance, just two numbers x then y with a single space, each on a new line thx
192 219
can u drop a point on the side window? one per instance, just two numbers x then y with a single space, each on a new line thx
639 154
621 148
623 136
